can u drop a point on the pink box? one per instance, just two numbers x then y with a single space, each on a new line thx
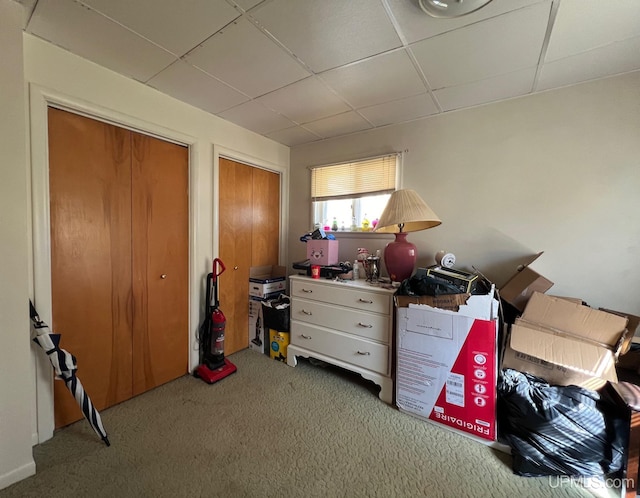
322 251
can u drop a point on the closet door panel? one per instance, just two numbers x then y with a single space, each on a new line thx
266 218
160 235
235 222
90 211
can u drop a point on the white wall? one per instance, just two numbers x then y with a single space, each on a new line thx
16 377
557 172
53 75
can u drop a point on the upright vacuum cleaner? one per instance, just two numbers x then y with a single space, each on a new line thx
213 365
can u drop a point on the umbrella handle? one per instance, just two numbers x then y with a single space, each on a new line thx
217 262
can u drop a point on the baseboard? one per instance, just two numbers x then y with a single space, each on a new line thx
18 474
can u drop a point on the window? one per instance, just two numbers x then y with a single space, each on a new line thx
351 196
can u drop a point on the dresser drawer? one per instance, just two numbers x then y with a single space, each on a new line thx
353 297
356 351
372 326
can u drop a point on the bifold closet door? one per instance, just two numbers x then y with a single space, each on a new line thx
249 207
90 215
119 258
265 234
235 221
160 249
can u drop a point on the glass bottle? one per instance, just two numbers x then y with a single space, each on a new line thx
365 223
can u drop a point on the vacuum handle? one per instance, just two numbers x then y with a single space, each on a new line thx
217 262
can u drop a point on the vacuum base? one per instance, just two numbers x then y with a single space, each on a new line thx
212 376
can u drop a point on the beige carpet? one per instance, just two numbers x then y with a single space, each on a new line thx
271 430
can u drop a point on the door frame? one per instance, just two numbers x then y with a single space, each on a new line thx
40 98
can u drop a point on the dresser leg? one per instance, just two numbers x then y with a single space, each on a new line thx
386 391
292 361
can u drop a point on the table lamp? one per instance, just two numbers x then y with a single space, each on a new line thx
405 212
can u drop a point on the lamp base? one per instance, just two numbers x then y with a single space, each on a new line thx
400 258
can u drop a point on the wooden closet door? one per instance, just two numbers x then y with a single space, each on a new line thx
265 246
249 207
90 211
160 235
235 222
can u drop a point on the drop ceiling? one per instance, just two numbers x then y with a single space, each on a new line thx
300 71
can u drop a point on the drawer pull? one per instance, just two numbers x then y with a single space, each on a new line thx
364 353
305 336
366 326
368 301
306 312
308 291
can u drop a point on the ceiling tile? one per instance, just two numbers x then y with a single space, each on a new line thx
293 136
497 46
401 110
191 85
256 117
380 79
28 6
611 59
304 101
247 4
176 26
583 25
88 34
329 33
339 66
255 66
415 25
480 92
340 124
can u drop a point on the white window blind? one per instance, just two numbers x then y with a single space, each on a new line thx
354 179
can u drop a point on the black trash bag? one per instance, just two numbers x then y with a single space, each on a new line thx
276 314
559 430
426 285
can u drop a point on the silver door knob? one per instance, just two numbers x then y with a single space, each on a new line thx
163 276
235 267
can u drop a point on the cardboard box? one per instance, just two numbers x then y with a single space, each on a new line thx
322 251
447 361
565 342
523 284
267 281
278 343
257 340
554 374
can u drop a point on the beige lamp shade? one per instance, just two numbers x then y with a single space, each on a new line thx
406 212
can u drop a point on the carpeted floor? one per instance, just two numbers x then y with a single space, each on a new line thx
270 430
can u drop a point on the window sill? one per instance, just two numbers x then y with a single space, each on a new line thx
347 234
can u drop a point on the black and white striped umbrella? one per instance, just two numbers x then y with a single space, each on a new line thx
65 367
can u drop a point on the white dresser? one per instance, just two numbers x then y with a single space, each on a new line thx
346 323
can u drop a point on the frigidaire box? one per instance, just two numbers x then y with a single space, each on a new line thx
565 342
523 284
267 281
447 361
322 251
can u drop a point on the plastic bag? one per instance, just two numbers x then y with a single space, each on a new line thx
426 285
276 313
559 430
